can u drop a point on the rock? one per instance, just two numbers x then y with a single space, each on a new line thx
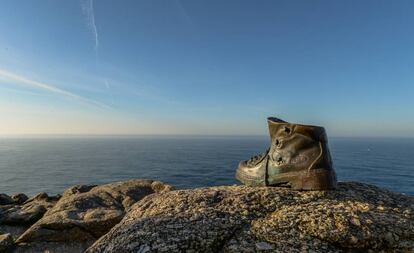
389 238
27 213
5 199
6 242
52 247
84 213
14 230
263 246
248 219
355 221
143 249
19 198
44 196
77 189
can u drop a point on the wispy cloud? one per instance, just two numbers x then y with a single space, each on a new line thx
109 90
87 7
184 12
47 87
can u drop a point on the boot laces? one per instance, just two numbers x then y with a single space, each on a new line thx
257 158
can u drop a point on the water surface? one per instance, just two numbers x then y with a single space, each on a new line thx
32 165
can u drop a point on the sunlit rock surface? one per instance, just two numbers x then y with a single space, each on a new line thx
84 213
22 212
356 217
147 216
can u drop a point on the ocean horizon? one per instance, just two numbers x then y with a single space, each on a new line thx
52 163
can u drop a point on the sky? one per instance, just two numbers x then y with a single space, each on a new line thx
206 67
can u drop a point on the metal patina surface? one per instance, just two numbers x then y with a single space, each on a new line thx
298 157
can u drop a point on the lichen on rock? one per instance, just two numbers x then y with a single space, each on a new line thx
27 212
84 213
355 217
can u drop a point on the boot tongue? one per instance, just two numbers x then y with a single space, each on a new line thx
276 120
274 125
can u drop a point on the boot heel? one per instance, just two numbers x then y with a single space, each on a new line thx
315 179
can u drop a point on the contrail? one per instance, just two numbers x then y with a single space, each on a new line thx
184 12
87 7
43 86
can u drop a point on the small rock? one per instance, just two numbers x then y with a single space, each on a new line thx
143 249
389 238
39 196
396 238
353 239
356 222
78 189
5 199
19 198
263 246
6 242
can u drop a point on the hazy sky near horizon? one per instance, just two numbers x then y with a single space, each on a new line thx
206 67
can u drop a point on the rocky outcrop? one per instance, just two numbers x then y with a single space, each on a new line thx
52 247
6 242
21 212
5 199
355 217
28 212
19 198
84 213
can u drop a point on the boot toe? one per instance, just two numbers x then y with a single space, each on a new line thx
249 176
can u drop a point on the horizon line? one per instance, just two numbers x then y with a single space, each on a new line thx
180 135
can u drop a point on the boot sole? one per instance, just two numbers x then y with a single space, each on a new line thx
315 179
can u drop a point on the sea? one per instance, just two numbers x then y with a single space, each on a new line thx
53 163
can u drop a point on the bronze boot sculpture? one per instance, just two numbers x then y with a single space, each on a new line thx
298 157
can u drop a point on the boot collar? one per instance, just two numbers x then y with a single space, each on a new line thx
317 132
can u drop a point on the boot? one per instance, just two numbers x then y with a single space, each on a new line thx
298 157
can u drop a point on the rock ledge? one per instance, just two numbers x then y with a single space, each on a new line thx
356 217
149 216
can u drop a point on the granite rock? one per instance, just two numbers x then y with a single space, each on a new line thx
28 212
356 217
19 198
5 199
84 213
6 242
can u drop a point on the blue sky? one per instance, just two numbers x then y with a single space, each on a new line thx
206 67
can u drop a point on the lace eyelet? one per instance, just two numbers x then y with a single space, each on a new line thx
279 161
287 130
278 143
